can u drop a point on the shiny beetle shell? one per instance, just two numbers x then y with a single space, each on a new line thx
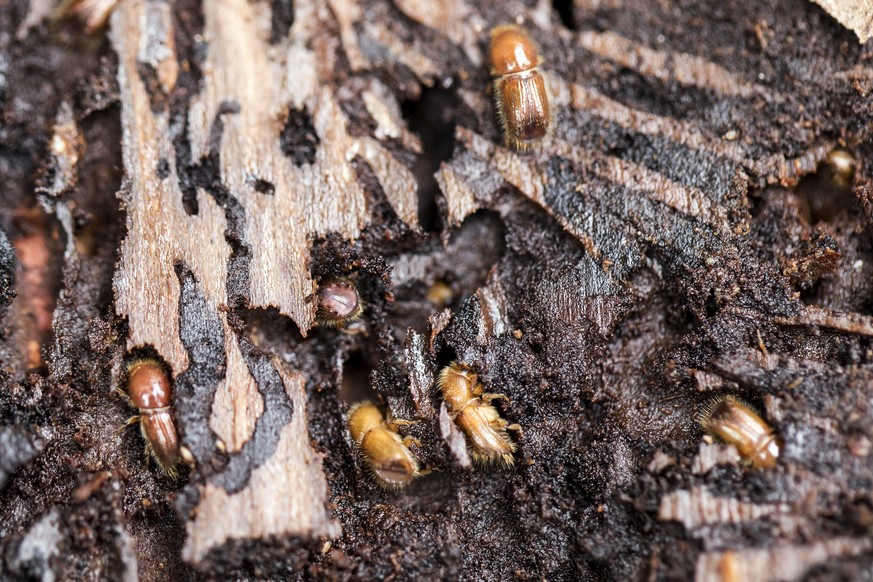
735 422
338 303
393 465
520 94
149 390
839 166
480 422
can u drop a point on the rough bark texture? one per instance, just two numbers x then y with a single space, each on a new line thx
178 184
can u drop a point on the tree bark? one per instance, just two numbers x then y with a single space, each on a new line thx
185 186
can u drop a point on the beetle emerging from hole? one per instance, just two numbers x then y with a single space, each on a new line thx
839 167
387 454
469 406
150 392
339 303
736 423
520 94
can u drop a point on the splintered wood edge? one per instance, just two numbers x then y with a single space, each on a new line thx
264 82
856 15
287 495
160 234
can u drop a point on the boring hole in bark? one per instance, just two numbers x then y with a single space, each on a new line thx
267 328
564 10
355 385
281 19
189 202
826 196
98 219
711 304
445 356
298 139
431 117
263 186
162 170
472 252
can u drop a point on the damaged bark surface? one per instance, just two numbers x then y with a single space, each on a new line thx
180 184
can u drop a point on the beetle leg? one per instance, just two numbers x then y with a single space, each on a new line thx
128 422
487 397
